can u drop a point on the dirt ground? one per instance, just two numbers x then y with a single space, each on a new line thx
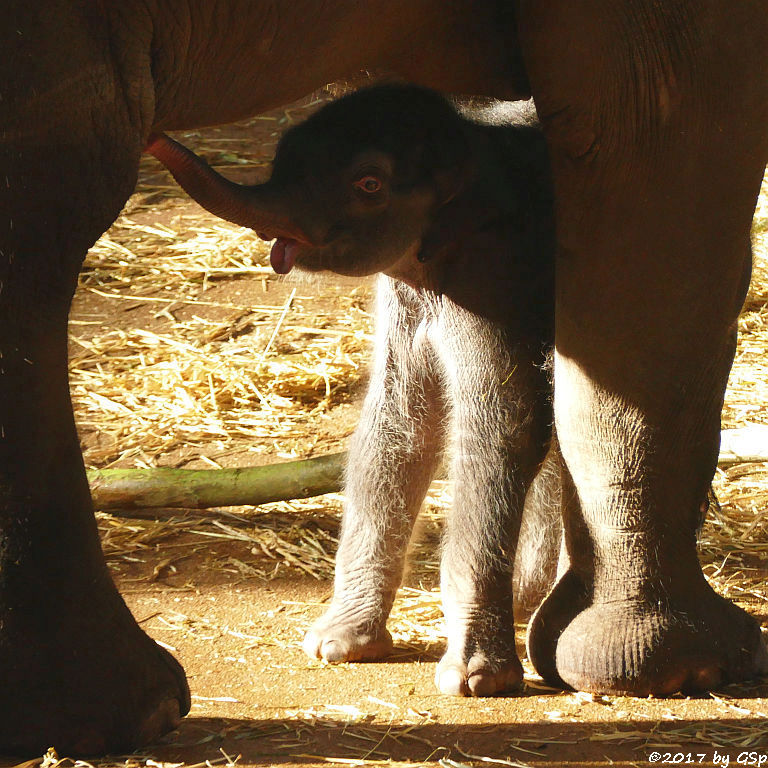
256 695
231 592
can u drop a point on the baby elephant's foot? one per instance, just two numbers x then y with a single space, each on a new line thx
481 659
478 675
348 635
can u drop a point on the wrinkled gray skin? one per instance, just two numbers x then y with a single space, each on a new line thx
457 216
654 115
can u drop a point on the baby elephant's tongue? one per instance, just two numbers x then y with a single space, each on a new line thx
283 255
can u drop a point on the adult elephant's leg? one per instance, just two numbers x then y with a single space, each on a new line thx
76 671
655 115
393 456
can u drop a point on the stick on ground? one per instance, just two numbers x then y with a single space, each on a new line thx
201 488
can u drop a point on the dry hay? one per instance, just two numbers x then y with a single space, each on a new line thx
256 373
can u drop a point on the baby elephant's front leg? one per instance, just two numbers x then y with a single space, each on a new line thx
393 456
500 432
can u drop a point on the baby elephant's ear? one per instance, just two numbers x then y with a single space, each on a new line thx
450 157
449 182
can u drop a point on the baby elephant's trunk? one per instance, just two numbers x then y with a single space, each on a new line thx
249 206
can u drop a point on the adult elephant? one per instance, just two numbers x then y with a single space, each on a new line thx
655 115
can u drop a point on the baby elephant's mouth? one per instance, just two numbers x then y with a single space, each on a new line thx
289 242
283 255
288 247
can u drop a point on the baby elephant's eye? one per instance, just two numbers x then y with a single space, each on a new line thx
368 184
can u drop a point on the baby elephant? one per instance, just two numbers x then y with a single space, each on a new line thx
457 217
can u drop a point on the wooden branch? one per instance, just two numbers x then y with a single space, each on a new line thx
114 489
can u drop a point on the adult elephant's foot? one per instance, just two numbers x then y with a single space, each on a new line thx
85 683
659 647
348 633
481 659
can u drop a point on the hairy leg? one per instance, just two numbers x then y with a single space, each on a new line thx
75 669
540 544
658 149
393 457
500 431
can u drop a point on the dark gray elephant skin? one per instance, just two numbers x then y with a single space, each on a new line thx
655 117
457 216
